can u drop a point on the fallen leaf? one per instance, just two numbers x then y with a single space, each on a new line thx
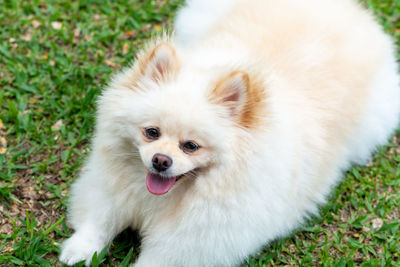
131 33
27 36
377 223
365 229
157 27
36 23
77 32
99 53
56 126
108 63
3 141
125 48
3 150
56 25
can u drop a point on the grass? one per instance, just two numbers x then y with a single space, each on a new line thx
55 56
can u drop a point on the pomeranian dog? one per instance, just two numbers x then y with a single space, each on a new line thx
229 133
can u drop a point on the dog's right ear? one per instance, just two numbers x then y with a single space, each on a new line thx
161 63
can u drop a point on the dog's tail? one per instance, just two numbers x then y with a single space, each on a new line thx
197 17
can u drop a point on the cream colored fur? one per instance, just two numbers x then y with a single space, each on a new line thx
331 96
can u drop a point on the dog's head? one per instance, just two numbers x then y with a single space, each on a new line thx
182 119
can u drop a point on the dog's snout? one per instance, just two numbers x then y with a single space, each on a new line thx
161 162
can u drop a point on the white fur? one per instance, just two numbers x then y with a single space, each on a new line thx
332 96
383 112
197 17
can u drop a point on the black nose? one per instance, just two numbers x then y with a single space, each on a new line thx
161 162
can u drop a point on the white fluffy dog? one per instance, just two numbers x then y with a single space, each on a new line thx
227 135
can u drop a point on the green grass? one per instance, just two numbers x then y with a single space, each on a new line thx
55 56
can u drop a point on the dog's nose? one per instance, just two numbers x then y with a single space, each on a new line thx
161 162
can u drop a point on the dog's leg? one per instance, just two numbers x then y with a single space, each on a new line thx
199 245
95 216
88 239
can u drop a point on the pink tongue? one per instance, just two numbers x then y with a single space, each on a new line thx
159 185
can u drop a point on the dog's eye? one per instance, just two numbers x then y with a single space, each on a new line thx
152 133
190 147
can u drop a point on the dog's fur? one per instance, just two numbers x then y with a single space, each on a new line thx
281 95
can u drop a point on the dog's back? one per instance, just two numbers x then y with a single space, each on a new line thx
339 75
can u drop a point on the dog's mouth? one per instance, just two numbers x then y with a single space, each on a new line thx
159 185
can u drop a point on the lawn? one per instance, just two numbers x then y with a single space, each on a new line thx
56 56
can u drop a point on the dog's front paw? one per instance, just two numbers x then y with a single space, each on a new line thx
78 248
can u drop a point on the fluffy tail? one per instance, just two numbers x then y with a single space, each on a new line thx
197 17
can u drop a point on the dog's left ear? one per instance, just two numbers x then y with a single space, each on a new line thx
161 62
231 92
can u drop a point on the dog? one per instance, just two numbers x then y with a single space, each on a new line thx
230 132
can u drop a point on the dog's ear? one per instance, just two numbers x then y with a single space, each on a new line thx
161 62
231 92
